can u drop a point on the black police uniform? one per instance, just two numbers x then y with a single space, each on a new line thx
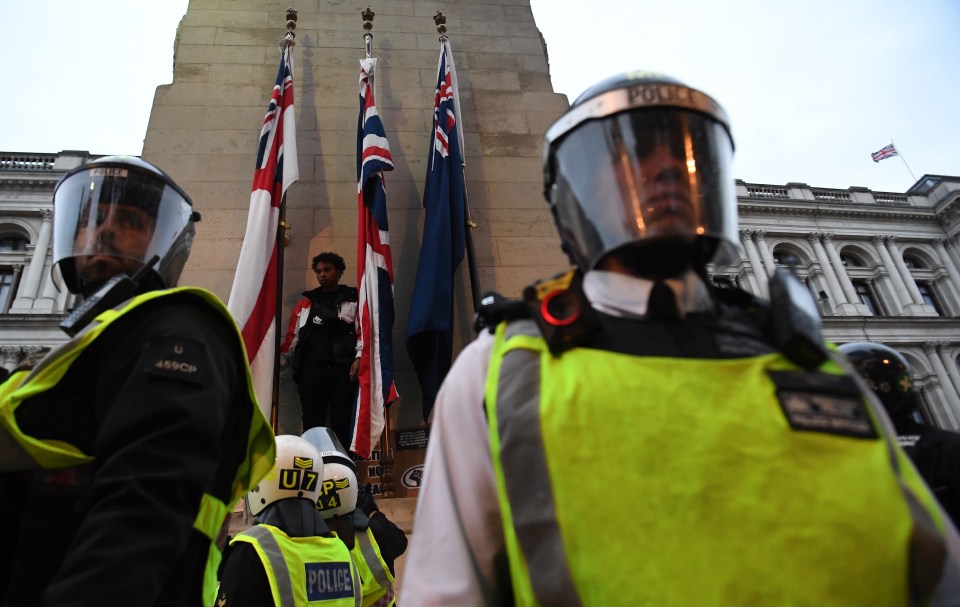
119 531
936 454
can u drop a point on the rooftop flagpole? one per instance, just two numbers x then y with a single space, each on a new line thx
900 154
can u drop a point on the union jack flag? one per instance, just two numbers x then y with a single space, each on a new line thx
374 273
887 151
253 297
430 323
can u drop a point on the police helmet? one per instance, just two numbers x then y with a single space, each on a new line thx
888 374
338 495
115 214
641 164
298 474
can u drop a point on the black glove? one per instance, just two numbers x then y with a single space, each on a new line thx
365 501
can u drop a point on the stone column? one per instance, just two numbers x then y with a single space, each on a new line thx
31 283
952 400
948 357
898 285
48 296
908 280
14 288
746 236
953 250
854 307
940 247
936 403
765 254
836 293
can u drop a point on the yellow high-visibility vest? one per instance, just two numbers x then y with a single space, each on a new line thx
627 480
375 576
312 570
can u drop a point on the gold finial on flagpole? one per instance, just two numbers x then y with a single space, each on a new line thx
367 27
291 25
441 22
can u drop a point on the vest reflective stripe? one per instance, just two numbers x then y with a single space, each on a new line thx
210 519
13 455
278 574
209 522
525 469
372 558
357 585
533 401
377 580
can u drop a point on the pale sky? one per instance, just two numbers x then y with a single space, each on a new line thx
811 87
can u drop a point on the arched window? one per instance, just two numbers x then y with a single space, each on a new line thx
929 296
913 262
13 242
8 279
783 257
850 261
726 282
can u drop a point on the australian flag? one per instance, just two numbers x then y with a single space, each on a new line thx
374 273
430 324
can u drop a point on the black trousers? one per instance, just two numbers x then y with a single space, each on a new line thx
326 397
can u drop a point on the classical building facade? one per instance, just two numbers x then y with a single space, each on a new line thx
882 266
32 301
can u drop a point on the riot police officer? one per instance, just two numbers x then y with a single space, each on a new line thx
124 449
644 439
290 557
934 451
374 542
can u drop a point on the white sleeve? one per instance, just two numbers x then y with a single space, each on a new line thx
457 533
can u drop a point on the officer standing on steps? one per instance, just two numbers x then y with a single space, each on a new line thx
123 450
644 439
337 504
290 557
935 452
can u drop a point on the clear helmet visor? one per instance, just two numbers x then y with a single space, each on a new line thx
642 177
110 220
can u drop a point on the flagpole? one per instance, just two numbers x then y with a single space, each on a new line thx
282 241
386 450
904 161
441 23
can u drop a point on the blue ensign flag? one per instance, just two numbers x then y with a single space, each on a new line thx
430 323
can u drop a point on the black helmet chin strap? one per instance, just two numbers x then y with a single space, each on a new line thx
112 293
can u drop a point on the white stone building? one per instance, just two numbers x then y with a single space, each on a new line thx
31 301
883 266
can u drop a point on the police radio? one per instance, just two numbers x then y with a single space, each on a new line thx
795 321
561 310
114 292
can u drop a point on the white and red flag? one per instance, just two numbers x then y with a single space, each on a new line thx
253 298
374 273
